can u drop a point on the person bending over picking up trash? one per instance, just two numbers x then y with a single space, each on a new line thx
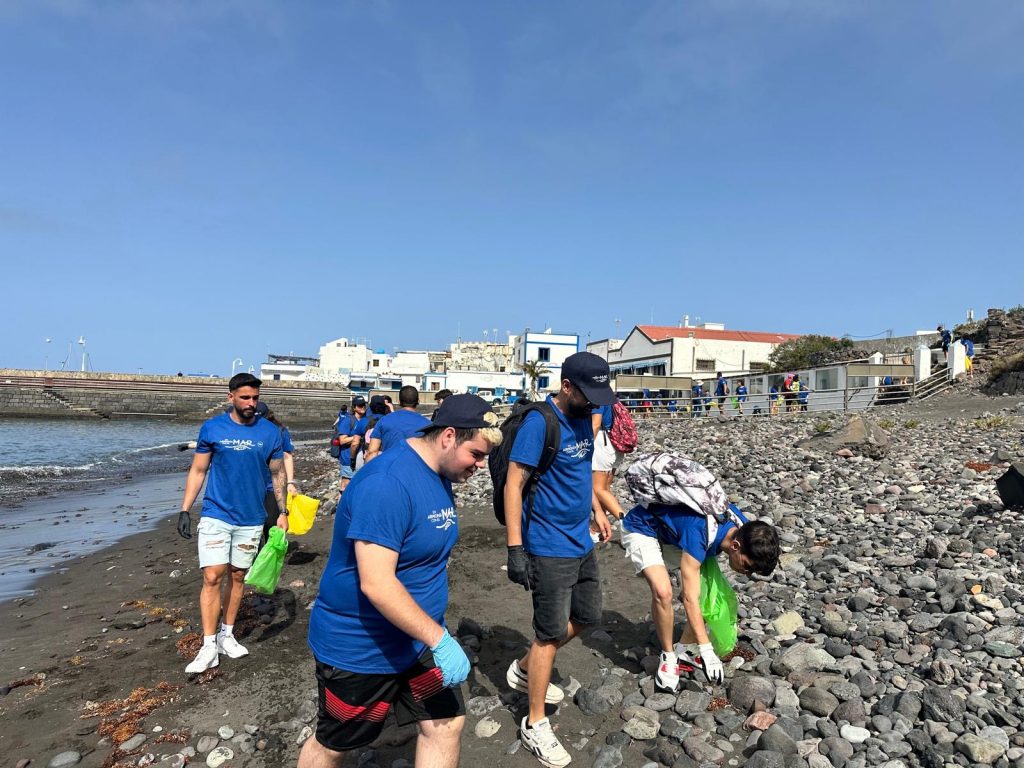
679 502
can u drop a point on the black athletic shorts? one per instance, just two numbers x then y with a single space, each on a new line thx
353 706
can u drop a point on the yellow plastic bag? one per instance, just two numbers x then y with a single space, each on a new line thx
301 513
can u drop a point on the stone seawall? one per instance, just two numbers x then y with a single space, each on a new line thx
103 396
1011 383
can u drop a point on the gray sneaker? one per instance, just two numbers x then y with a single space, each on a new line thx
541 740
518 681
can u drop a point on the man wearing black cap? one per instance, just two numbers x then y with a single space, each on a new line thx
377 627
549 546
234 449
351 429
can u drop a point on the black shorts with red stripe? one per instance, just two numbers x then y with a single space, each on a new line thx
353 706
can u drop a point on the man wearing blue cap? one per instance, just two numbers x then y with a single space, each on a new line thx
549 547
377 628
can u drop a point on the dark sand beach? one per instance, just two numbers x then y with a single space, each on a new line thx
110 624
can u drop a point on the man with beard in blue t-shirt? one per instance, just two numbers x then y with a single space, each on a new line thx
549 546
351 429
232 454
398 426
377 627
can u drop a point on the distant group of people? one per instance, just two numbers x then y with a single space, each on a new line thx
377 627
946 339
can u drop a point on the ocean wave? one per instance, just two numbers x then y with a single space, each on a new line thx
40 472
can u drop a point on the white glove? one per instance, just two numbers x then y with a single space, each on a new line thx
711 664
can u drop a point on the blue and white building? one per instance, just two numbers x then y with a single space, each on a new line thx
548 348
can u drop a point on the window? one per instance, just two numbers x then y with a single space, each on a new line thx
542 382
544 354
376 363
758 367
435 386
705 365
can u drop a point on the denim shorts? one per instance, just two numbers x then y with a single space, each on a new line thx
347 472
221 543
564 589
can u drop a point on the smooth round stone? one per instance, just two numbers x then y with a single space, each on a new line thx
225 732
219 756
486 728
64 759
854 734
130 745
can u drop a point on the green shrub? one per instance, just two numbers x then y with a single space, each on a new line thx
886 423
992 422
821 427
912 423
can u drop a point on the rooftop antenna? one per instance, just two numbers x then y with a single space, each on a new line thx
81 342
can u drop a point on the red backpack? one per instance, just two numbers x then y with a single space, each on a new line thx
622 435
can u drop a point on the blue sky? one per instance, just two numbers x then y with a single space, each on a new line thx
189 183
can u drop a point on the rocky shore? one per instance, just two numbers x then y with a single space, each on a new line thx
891 636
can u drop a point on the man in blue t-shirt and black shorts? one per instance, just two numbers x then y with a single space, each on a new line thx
549 546
233 453
399 425
377 628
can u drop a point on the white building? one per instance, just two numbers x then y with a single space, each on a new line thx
482 356
287 368
696 351
340 358
548 348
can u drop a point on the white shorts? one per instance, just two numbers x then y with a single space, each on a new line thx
606 458
221 543
643 551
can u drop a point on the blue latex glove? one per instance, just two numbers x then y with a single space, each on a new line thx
451 660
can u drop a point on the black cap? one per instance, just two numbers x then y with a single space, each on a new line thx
590 374
463 412
358 400
240 380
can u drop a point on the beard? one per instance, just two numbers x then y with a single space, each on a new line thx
577 411
245 413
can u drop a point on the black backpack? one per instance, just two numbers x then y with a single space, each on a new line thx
497 463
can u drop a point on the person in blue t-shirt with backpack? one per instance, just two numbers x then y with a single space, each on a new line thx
721 390
691 523
400 425
377 627
233 454
549 547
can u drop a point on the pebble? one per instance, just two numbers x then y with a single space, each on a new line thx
206 743
64 759
486 728
219 756
225 732
130 745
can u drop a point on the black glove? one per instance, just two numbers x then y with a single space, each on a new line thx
185 525
519 566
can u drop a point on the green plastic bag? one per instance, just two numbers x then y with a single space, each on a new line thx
718 606
266 568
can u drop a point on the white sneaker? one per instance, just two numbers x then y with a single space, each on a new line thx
541 740
518 681
207 658
666 679
230 647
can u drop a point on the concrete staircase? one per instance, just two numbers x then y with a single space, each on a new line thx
82 410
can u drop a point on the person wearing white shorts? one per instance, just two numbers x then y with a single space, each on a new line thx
235 453
606 460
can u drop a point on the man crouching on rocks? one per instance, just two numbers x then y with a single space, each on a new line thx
679 502
377 627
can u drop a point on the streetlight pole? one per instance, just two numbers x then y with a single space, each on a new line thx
46 357
81 341
236 361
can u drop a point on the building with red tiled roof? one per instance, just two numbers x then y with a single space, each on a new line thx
696 351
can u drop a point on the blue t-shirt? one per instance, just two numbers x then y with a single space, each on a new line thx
970 346
349 425
558 525
607 416
398 502
741 393
773 392
678 526
237 480
720 387
397 427
287 447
